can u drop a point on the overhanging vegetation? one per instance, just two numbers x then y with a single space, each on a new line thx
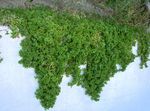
57 43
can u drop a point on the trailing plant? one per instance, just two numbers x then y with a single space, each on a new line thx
0 52
56 43
1 59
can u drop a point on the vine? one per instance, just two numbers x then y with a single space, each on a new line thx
57 43
0 52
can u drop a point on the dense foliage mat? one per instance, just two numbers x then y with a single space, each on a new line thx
56 43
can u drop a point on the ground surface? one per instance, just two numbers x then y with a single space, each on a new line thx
20 3
76 5
126 91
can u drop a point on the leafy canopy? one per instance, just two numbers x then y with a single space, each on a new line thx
56 43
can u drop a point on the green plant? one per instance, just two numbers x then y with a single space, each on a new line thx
57 43
131 12
0 52
29 0
1 58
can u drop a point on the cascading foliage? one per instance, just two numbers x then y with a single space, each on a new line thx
56 43
0 52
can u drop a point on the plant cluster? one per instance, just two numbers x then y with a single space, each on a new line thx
131 12
57 43
0 52
1 59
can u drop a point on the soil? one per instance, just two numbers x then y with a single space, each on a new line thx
76 5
